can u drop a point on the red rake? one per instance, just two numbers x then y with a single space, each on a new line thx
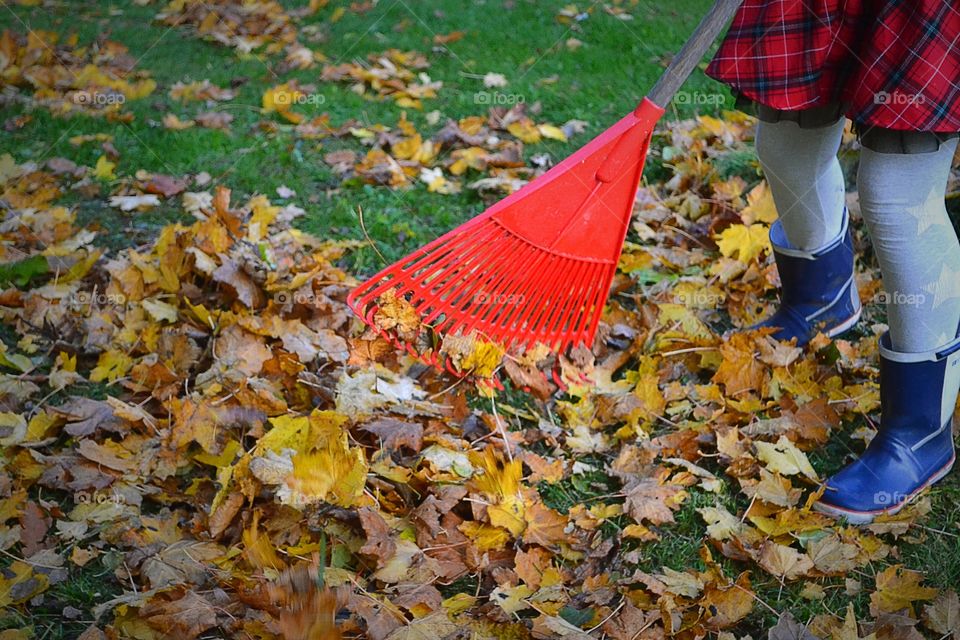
537 266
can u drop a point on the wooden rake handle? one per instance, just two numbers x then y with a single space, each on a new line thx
689 56
620 158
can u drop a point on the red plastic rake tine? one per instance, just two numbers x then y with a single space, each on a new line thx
515 321
526 261
593 312
559 288
442 289
502 271
566 308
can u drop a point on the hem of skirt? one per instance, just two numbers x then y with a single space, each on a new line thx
748 102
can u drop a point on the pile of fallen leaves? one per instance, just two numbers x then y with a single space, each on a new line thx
394 74
96 79
263 27
490 149
203 417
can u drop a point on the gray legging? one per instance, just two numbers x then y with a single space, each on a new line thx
901 188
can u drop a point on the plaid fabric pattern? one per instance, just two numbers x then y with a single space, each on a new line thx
891 63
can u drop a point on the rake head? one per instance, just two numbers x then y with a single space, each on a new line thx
535 268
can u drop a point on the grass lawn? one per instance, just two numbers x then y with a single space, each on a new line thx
597 82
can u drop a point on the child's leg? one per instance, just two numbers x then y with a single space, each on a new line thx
811 240
805 177
902 200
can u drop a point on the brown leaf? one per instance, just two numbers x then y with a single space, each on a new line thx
527 376
246 289
35 523
740 370
784 562
224 515
649 500
166 186
396 433
215 120
183 562
109 454
728 603
530 565
545 526
788 628
379 540
942 616
92 633
418 599
86 415
184 618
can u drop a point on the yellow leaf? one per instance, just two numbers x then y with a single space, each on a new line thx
112 365
104 169
898 588
407 147
760 206
747 242
500 483
785 458
552 132
336 474
525 130
22 584
486 537
160 311
280 99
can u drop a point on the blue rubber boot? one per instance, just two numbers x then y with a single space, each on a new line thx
817 288
913 447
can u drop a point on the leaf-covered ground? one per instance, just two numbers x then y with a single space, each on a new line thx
199 439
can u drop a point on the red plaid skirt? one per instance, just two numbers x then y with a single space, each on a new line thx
891 63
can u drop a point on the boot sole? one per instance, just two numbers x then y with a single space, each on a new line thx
866 517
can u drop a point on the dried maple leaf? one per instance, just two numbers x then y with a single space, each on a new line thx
784 562
942 616
649 500
335 473
740 371
499 481
397 315
897 589
787 628
785 458
396 433
744 242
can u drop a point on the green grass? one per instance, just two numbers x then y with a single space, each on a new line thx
84 589
598 83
